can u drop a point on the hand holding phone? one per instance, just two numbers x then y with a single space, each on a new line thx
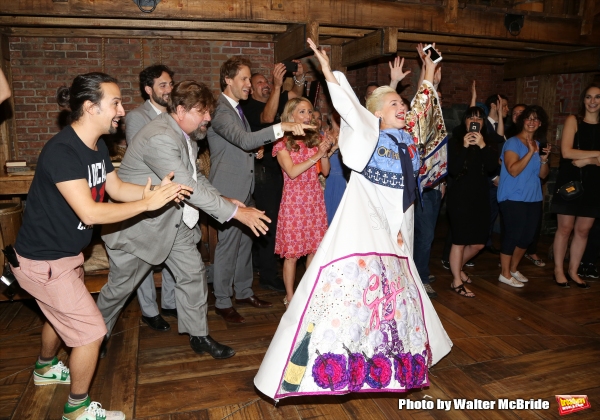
434 55
290 68
474 126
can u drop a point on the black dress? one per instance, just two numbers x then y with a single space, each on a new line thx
588 205
468 196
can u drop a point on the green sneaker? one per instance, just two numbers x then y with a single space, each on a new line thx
88 410
51 373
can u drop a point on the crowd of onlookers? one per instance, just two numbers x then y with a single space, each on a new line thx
269 150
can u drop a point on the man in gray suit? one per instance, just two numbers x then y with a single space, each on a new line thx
163 145
231 143
156 83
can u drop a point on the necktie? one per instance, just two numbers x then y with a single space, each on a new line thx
495 126
241 112
190 214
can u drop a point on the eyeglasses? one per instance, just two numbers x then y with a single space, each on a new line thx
532 119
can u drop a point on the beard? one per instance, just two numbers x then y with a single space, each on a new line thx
160 99
200 132
112 130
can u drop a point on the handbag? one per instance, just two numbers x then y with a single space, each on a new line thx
571 190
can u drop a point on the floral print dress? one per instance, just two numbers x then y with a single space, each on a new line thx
302 220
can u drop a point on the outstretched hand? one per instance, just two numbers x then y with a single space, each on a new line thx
296 129
163 194
253 218
396 73
323 61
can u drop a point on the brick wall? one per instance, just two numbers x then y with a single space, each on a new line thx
41 65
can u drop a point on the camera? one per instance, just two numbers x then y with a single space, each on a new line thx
474 126
542 146
290 68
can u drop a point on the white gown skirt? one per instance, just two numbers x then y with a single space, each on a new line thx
360 319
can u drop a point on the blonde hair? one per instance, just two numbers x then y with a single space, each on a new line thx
310 139
375 101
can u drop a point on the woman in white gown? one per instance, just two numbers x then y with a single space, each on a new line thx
360 320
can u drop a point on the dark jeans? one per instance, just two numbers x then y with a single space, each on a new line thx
519 222
268 187
592 249
426 214
532 249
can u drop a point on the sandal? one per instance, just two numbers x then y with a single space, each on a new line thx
538 262
467 280
462 291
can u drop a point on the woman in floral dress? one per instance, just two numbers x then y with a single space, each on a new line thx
302 219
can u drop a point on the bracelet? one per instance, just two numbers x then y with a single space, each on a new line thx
299 82
313 161
544 162
325 157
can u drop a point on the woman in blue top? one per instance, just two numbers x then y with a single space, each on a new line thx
520 192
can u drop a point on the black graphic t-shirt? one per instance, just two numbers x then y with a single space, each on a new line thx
51 229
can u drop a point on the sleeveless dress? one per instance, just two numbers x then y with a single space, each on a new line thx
587 137
302 220
360 320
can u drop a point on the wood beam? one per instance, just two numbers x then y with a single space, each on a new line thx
343 32
572 62
143 33
66 22
374 45
587 24
451 11
547 99
520 90
554 7
336 58
427 18
292 44
481 42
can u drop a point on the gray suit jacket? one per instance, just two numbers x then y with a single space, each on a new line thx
138 118
157 149
231 156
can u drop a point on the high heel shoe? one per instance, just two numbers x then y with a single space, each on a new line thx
583 285
564 285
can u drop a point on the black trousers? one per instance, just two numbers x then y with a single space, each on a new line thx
268 187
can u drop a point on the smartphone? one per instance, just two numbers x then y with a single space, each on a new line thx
542 146
290 68
435 56
474 127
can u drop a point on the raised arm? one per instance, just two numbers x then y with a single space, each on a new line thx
323 61
473 93
270 110
396 73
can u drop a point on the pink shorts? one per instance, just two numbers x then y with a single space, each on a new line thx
58 287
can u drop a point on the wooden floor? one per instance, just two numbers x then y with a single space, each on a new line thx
527 343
